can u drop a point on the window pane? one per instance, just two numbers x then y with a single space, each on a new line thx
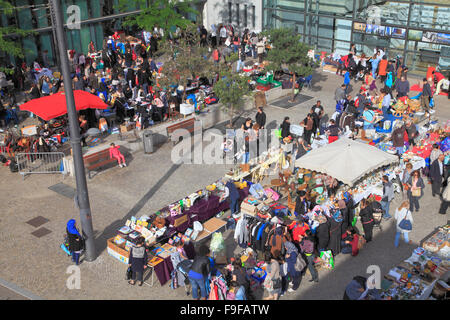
431 17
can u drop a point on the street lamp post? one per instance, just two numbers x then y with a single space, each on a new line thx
82 197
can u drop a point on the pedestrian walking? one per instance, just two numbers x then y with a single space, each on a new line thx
445 198
388 195
291 259
273 281
415 190
404 223
436 175
307 246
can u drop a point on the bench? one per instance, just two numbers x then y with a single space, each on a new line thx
186 124
97 160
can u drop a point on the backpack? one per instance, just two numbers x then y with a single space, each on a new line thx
300 264
308 246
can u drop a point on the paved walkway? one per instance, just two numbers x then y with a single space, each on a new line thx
149 183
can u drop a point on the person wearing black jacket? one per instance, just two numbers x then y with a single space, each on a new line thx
426 95
260 118
76 242
143 80
138 262
436 175
199 273
301 204
128 58
285 128
366 219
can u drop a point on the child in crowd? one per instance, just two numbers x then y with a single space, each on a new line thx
115 153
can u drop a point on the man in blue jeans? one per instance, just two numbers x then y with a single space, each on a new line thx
199 273
388 195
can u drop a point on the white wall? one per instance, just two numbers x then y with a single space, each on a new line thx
217 12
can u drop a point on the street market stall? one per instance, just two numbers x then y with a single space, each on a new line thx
424 273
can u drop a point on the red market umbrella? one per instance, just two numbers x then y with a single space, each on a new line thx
54 106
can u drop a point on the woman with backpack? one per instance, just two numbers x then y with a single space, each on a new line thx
307 247
403 215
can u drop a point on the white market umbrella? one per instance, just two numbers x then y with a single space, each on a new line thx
345 160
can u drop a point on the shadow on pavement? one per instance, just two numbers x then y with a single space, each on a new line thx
111 230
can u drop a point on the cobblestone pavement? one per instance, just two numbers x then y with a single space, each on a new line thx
149 183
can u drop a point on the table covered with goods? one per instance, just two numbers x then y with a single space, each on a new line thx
424 275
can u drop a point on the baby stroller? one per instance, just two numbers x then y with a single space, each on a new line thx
377 213
184 267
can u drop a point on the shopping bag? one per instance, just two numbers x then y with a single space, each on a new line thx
354 221
327 258
65 249
129 274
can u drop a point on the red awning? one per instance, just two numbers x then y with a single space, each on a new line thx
54 106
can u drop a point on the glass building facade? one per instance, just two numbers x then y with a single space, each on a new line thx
418 30
99 18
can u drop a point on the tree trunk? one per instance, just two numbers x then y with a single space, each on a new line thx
231 109
293 88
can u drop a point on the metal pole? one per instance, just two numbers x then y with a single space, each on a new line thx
82 198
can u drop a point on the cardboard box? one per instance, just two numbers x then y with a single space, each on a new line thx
117 252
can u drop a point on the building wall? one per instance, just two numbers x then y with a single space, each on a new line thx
418 30
243 14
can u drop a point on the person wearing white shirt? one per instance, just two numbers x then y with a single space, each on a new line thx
401 213
223 34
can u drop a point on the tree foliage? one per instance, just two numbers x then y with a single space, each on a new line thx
8 44
186 60
288 52
231 89
165 14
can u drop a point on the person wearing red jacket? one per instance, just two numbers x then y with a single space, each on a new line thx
115 153
382 69
350 241
439 80
298 229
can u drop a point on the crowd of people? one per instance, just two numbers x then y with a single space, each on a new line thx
123 74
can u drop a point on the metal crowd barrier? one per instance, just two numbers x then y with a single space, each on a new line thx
40 162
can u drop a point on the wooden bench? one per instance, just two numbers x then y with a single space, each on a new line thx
97 160
186 124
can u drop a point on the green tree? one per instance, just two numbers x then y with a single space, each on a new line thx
288 52
231 89
7 44
166 14
186 60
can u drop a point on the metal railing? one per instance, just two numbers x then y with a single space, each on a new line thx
40 162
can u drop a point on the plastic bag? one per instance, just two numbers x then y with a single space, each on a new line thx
217 242
129 274
327 258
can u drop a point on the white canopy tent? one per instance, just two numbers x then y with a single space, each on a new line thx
345 160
